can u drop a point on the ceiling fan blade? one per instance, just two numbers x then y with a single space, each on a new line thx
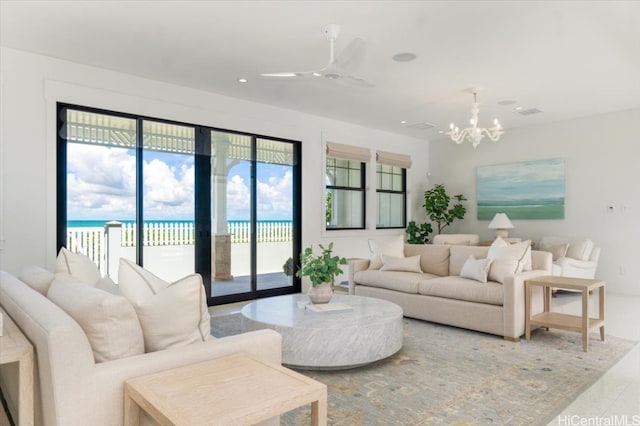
351 56
357 81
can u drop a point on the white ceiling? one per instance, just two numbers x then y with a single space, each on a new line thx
566 58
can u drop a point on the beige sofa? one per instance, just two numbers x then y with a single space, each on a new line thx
439 294
72 389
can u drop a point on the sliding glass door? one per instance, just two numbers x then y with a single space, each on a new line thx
178 199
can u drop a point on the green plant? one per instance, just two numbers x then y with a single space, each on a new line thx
436 204
418 234
328 213
287 268
321 268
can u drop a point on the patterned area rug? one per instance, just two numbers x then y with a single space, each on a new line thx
450 376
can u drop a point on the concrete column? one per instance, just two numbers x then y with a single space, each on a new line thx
222 257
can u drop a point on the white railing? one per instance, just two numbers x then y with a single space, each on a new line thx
92 241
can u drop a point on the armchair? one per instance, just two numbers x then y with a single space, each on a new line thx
576 258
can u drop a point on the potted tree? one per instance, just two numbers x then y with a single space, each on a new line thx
436 205
418 234
321 270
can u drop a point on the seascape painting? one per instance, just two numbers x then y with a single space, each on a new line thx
526 190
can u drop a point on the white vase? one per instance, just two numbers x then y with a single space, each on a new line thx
321 293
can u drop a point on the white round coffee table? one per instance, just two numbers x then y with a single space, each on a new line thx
371 330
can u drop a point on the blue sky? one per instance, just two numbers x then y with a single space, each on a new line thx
101 186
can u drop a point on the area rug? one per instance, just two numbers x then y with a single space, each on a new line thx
449 376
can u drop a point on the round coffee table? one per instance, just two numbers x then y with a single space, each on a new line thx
371 330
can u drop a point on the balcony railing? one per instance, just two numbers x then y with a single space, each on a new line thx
92 241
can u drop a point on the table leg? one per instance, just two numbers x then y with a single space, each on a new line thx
547 298
585 320
601 313
319 411
527 311
131 411
25 390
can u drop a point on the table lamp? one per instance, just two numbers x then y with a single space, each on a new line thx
501 223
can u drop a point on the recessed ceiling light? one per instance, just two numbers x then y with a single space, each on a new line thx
403 122
518 108
316 74
242 80
441 131
404 57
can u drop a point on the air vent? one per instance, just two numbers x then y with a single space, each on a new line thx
420 126
529 111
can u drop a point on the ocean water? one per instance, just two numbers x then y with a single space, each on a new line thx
101 223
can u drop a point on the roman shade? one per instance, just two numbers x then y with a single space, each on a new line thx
348 152
393 159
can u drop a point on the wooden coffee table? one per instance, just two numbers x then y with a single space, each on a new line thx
237 389
579 323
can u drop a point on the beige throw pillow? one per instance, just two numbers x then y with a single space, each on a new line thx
37 278
388 246
170 314
78 266
508 259
109 322
406 264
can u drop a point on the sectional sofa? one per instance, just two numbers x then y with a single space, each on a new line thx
444 286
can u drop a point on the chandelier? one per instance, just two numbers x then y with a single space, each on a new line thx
475 134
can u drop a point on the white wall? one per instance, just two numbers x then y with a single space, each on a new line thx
32 84
602 168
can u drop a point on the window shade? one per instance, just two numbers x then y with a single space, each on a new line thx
393 159
348 152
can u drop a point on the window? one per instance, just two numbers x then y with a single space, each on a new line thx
391 189
391 192
345 186
345 194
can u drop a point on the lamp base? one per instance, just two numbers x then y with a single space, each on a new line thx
502 233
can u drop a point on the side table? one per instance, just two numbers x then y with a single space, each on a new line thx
14 347
233 390
579 323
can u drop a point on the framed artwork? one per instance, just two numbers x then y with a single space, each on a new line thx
526 190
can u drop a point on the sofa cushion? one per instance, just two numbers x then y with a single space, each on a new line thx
37 278
109 321
557 250
393 246
78 266
171 314
406 282
476 269
460 254
406 264
434 259
463 289
580 249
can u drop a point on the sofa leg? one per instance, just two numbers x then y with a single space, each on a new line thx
512 339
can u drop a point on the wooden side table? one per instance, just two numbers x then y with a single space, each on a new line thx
579 323
14 347
233 390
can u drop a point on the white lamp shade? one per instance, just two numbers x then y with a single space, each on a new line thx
500 221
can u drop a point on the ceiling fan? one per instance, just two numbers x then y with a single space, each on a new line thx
339 67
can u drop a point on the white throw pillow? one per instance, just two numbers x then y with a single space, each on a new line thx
508 260
388 246
406 264
170 314
37 278
78 266
557 251
109 321
476 269
580 249
107 284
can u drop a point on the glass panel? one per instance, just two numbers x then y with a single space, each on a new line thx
168 200
346 209
274 216
230 213
101 187
390 210
397 182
